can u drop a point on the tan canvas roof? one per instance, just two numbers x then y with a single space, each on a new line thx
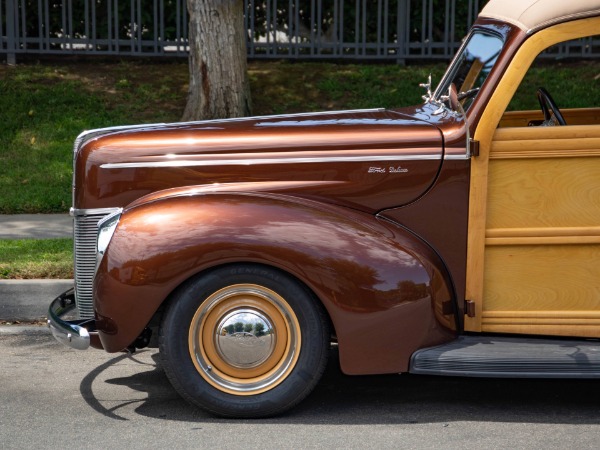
531 15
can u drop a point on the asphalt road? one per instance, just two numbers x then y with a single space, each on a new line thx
53 397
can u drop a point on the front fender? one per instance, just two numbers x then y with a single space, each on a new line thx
382 287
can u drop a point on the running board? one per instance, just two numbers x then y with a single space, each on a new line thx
509 357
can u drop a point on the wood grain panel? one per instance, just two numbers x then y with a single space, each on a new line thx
542 278
544 193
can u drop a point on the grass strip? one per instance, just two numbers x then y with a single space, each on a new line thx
33 258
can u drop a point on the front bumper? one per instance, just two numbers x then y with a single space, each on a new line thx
76 334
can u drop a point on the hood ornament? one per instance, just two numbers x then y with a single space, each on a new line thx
428 94
454 107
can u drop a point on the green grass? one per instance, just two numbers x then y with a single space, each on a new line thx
44 107
30 258
283 87
34 136
379 86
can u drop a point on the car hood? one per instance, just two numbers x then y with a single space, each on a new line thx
368 159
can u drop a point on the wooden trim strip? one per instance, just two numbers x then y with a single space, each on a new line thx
573 240
545 148
514 153
533 133
538 321
557 323
566 112
545 315
580 319
581 116
546 142
543 236
588 330
535 232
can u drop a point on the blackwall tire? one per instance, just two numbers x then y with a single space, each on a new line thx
257 371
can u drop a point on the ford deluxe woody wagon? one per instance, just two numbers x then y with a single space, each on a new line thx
455 237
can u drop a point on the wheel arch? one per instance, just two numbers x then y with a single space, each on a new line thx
370 277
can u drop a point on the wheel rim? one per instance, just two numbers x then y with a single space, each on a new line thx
250 358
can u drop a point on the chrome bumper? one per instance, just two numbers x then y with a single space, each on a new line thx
73 333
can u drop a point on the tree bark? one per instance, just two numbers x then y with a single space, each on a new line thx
219 86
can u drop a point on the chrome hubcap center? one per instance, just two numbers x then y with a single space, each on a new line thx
245 338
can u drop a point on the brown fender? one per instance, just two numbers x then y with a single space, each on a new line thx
386 292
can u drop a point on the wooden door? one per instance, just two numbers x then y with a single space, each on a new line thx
542 233
534 229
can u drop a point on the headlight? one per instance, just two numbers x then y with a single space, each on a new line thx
106 229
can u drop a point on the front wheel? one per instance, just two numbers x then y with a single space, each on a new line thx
244 341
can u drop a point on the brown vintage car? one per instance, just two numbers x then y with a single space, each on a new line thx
456 237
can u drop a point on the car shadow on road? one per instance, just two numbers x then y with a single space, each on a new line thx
378 399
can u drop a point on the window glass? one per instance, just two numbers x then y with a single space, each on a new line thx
471 67
573 82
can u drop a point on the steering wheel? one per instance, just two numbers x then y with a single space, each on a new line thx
549 108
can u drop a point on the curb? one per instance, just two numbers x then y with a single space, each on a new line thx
21 330
28 300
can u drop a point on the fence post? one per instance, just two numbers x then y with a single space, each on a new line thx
11 59
402 27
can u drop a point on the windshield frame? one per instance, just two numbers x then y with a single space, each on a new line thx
442 87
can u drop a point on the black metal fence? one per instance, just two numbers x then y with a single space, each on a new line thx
396 30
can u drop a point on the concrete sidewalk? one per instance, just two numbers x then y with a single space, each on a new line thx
28 300
36 226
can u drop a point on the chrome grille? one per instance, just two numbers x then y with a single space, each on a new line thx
85 231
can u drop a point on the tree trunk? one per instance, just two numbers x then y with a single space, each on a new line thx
219 86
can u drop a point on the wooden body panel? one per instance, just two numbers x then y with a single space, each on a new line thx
542 256
544 192
542 289
511 214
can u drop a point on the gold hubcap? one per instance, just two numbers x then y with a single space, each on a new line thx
244 339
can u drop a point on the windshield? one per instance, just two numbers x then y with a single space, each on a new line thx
471 67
